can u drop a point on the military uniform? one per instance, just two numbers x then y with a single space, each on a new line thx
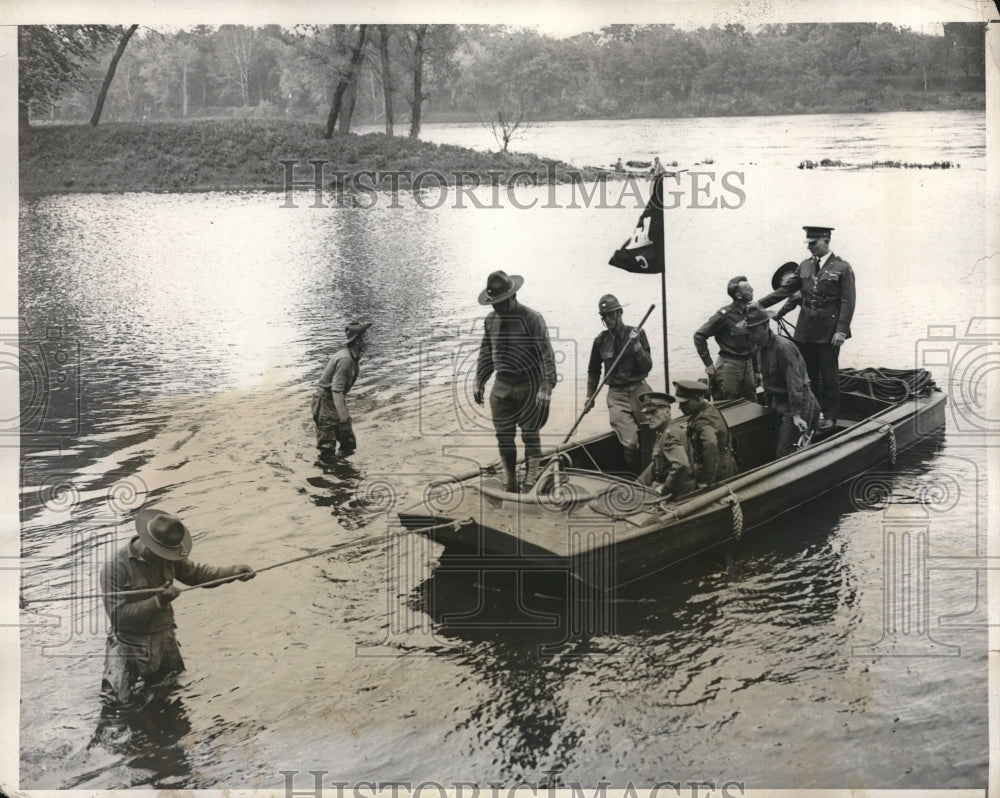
734 370
671 464
828 299
626 384
786 387
710 446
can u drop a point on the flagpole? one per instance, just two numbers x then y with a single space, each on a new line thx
663 293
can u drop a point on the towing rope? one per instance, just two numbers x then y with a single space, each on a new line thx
737 512
890 385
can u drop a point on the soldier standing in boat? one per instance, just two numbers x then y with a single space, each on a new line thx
786 381
627 383
824 323
669 470
329 405
142 648
734 374
517 350
709 442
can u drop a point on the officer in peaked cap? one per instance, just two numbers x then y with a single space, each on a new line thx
626 381
709 442
824 324
669 470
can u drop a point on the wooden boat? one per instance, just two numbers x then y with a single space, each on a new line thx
587 516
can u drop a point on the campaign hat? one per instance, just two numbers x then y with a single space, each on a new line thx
500 286
756 315
356 329
163 534
783 270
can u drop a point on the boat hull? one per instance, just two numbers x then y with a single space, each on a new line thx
607 530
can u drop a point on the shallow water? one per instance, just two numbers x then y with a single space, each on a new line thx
181 335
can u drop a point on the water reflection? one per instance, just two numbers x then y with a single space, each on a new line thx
138 745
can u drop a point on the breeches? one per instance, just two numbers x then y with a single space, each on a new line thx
821 364
514 406
625 410
734 378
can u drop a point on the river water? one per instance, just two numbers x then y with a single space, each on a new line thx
169 345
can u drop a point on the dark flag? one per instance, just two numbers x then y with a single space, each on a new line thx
643 252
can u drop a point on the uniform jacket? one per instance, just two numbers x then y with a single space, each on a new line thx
827 299
143 614
631 368
671 464
726 326
710 446
340 372
516 346
783 372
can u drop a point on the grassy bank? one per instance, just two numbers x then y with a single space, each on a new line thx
240 155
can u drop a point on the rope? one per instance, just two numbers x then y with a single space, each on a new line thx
892 443
737 512
221 581
889 385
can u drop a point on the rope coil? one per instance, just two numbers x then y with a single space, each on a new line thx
737 513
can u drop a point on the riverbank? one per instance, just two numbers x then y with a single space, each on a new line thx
240 155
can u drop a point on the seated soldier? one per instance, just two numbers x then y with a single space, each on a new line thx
708 441
669 471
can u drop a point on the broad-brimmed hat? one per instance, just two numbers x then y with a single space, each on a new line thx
690 389
608 304
817 232
657 399
500 286
757 315
356 329
163 534
783 270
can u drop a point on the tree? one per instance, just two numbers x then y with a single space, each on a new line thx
123 42
386 69
51 59
506 121
347 78
415 39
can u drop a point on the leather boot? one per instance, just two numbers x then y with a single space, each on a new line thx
508 474
632 461
531 470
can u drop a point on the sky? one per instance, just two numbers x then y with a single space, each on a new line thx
554 17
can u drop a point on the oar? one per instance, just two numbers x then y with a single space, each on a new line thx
222 581
611 369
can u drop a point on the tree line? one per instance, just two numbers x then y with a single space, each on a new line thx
382 73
